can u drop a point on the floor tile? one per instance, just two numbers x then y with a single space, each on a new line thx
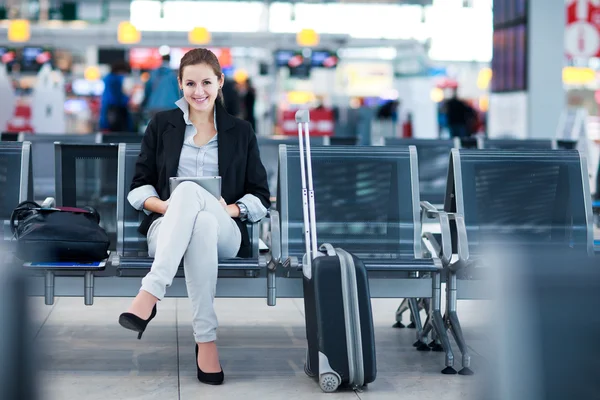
86 355
102 387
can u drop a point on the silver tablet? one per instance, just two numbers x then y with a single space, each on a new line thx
212 184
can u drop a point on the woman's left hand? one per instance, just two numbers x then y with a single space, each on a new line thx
232 209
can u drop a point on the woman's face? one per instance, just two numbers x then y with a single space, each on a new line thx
200 86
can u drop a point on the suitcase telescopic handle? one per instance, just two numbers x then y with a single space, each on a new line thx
308 196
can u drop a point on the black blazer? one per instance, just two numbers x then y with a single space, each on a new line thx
240 167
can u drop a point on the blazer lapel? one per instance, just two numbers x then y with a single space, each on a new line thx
226 139
173 141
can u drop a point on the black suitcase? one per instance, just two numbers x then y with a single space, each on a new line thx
337 303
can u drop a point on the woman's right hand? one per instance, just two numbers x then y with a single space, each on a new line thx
164 206
156 205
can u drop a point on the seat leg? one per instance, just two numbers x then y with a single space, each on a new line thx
271 288
421 343
422 334
452 318
425 304
401 309
435 343
439 325
422 331
415 315
49 288
440 329
88 288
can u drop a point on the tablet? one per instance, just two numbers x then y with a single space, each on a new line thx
212 184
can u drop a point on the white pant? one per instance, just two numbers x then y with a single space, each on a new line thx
196 228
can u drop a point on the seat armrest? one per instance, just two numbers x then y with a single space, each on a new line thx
254 228
275 248
430 212
429 209
461 237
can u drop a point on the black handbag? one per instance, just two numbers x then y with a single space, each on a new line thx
58 234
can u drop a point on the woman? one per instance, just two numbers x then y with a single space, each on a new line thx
198 138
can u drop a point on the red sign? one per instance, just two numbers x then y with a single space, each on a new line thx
321 122
21 121
149 58
145 58
582 32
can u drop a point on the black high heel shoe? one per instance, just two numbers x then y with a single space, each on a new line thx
213 378
135 323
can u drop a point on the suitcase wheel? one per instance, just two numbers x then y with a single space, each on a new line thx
329 382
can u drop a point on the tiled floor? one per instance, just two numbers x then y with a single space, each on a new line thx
88 356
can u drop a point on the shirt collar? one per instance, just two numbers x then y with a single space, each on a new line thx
185 107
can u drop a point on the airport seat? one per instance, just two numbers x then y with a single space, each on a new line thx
517 144
340 140
132 249
269 155
433 157
566 144
86 175
117 138
9 136
367 202
505 201
16 184
470 142
43 159
80 182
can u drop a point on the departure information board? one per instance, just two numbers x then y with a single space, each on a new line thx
509 59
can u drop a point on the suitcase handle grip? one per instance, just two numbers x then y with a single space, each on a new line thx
328 248
302 116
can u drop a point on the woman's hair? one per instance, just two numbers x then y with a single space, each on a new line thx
202 56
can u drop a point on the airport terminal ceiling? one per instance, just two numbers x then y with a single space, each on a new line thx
376 24
56 2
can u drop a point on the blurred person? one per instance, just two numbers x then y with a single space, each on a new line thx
320 103
363 123
161 90
442 121
198 138
389 110
248 98
459 116
387 121
231 98
114 105
407 126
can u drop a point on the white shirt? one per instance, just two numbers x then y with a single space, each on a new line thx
197 160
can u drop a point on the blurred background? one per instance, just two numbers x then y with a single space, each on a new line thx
368 71
388 65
